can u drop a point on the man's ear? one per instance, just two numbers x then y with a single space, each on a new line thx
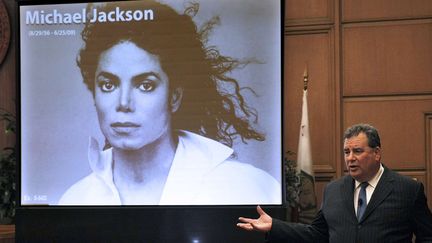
378 154
176 99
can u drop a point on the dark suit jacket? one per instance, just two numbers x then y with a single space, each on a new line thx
396 211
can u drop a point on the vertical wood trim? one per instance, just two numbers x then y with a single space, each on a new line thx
338 86
428 151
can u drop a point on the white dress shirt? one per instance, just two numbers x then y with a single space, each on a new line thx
202 173
369 190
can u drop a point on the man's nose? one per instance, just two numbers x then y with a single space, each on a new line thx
349 156
125 103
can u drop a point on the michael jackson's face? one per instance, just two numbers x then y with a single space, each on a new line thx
132 97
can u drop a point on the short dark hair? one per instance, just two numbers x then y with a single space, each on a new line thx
209 107
370 132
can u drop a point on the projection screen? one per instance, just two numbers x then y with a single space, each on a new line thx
118 115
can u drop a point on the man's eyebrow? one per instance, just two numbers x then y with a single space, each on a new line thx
141 76
107 75
355 148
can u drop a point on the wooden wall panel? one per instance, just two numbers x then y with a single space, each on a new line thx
401 123
7 79
381 57
428 185
387 58
360 10
314 50
300 12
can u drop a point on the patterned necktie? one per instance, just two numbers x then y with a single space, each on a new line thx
362 202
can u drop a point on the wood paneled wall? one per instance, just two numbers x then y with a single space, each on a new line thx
7 78
369 61
310 41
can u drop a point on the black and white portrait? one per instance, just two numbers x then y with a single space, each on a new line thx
151 103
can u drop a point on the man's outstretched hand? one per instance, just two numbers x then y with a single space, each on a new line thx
262 224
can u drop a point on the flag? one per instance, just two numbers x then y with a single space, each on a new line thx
307 198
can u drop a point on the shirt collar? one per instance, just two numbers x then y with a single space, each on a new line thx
374 181
193 151
195 158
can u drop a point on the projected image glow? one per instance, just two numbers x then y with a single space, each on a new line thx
151 103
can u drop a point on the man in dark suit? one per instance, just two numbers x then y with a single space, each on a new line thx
372 204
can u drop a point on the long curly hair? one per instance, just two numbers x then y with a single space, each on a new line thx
212 104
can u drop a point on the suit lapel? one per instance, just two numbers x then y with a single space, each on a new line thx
347 192
383 189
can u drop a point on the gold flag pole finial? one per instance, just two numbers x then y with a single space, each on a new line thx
305 79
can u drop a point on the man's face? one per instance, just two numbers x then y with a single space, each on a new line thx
131 97
362 161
